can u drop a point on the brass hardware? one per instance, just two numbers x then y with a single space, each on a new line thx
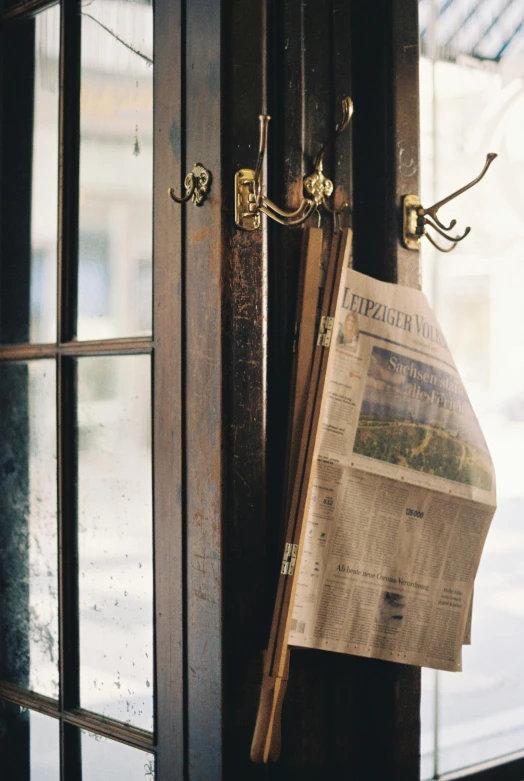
247 215
325 331
289 560
197 185
416 218
317 185
250 200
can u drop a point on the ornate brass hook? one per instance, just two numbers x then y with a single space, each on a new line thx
265 205
317 185
416 218
197 185
250 200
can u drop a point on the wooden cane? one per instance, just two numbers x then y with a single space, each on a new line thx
266 741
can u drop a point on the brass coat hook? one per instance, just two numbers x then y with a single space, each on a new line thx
416 219
250 200
197 185
317 186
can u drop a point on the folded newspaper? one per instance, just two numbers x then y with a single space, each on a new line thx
403 489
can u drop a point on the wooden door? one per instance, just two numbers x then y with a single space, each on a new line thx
344 715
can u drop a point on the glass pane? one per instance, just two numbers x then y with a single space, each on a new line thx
29 745
104 758
477 293
116 175
29 159
115 537
28 535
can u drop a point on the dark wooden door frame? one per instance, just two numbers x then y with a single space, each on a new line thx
355 717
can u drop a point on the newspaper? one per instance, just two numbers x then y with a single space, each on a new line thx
402 493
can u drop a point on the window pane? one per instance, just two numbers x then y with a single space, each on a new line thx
114 282
115 537
29 158
106 759
477 293
28 535
29 745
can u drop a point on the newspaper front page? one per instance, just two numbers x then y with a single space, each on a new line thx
403 489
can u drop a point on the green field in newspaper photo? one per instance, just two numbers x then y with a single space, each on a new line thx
418 416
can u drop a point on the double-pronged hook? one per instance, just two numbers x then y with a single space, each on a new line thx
196 184
264 204
317 186
417 219
250 200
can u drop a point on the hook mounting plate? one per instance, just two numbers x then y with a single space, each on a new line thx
411 232
247 214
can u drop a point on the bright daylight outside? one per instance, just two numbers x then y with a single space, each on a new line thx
472 103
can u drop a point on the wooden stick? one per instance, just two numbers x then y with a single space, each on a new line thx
306 324
305 342
266 744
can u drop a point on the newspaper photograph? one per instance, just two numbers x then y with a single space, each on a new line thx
402 493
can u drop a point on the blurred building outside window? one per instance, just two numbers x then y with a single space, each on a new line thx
472 103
